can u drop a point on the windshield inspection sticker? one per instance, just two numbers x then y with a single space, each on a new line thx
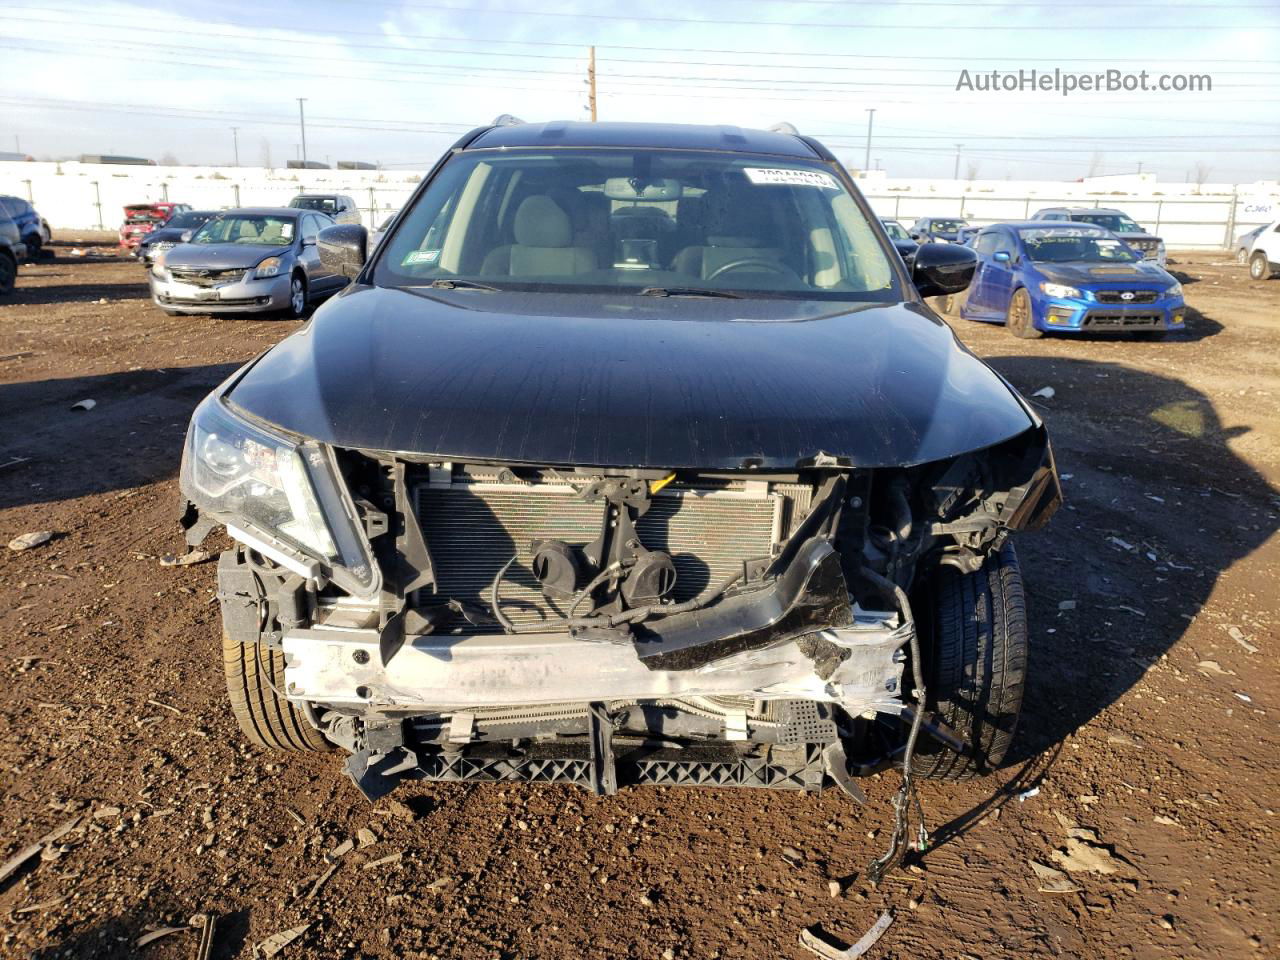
420 256
798 178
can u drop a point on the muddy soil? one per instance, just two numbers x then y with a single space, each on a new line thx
1146 771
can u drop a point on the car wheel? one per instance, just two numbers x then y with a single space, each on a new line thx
297 297
254 673
34 246
1259 268
1242 256
8 274
974 635
1018 319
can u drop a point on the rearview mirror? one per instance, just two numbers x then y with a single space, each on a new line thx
943 268
344 248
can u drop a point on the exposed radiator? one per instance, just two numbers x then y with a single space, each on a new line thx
473 528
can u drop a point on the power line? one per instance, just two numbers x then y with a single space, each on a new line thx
826 25
682 51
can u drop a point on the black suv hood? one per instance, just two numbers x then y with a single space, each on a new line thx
619 380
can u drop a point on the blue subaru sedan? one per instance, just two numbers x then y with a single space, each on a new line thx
1040 276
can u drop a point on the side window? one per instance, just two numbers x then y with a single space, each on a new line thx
310 227
1005 244
986 242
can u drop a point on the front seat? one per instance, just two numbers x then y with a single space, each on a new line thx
737 229
544 244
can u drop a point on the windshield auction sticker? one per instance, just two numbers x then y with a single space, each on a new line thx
797 178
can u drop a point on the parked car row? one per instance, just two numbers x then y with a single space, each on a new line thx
1063 276
250 260
33 229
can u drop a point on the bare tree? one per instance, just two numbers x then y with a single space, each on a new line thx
1202 174
1095 164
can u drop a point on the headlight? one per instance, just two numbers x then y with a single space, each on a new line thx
283 490
157 266
1174 291
269 267
1062 291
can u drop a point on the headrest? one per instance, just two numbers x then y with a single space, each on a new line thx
541 223
726 241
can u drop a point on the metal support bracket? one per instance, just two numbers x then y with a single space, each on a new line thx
604 773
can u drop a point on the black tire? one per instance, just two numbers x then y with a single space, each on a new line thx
1259 266
8 273
1150 335
35 246
1018 319
1242 256
296 309
254 672
974 645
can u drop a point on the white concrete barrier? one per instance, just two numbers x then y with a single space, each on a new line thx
80 196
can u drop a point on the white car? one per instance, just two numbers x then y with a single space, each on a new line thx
1264 255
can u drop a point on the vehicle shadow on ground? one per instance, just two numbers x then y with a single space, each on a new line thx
27 295
132 436
1157 507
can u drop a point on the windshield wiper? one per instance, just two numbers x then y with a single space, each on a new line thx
450 283
688 292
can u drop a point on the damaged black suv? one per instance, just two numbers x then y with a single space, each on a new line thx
633 455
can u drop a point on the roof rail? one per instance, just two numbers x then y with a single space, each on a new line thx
506 120
784 127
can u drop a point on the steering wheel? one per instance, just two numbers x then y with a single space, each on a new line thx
769 266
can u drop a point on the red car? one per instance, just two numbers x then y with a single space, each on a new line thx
141 218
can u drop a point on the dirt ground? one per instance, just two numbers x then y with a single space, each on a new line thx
1149 728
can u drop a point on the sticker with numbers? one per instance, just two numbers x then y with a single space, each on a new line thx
796 178
420 256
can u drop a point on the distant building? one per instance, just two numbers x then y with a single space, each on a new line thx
356 165
306 165
10 155
109 158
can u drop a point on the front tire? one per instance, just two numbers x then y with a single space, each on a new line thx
1259 266
974 635
297 297
254 672
8 273
1242 256
1018 319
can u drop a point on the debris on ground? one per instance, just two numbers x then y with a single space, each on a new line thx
1028 794
1045 393
185 560
810 940
157 933
269 947
1215 668
1237 635
1084 853
204 924
26 541
84 405
1050 880
16 862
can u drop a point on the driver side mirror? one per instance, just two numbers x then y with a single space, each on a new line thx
344 248
186 236
943 268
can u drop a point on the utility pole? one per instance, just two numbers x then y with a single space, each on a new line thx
1139 168
956 175
302 123
17 147
591 83
235 140
871 115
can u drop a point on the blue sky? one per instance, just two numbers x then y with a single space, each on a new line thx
396 81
